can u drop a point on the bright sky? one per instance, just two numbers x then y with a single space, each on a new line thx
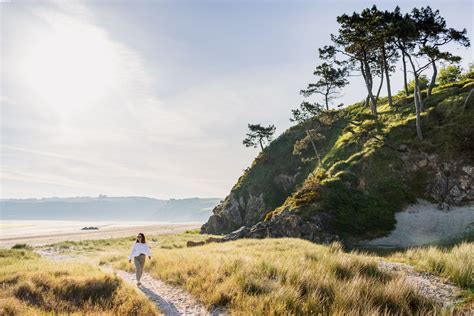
152 98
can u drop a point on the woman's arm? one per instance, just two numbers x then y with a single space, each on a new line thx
131 253
148 251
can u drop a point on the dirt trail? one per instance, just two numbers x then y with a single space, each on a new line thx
429 285
170 300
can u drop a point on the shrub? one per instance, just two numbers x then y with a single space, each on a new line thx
21 246
448 74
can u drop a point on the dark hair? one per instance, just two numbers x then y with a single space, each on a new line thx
143 241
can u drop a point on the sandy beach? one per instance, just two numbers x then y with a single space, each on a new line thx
37 233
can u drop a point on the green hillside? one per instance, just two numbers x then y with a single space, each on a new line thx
372 167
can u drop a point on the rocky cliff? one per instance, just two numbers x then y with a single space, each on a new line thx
371 169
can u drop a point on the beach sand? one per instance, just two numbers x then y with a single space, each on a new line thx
37 233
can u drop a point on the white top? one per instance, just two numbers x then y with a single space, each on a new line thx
139 248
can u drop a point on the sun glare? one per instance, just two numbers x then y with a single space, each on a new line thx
71 64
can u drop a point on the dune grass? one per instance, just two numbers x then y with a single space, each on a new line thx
454 263
282 276
31 285
285 276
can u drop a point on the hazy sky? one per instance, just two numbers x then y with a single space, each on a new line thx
152 98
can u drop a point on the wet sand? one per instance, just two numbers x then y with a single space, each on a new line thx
37 233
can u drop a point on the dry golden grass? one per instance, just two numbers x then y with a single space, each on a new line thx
455 264
33 285
283 276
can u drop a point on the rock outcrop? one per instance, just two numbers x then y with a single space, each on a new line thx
235 211
246 207
449 183
288 224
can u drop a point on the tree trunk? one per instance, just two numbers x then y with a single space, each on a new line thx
369 83
420 98
433 77
313 144
405 82
385 66
326 100
419 134
260 141
380 86
417 99
464 107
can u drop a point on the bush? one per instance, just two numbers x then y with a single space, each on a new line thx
21 246
411 85
469 74
449 73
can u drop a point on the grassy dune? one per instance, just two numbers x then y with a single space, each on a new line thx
31 285
285 276
272 276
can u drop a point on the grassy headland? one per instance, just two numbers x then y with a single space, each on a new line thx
371 166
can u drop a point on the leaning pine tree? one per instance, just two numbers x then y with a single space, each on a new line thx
303 115
258 135
357 43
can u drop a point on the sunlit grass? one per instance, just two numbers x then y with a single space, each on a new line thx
31 285
281 276
455 264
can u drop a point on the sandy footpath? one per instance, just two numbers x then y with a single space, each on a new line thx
429 285
38 234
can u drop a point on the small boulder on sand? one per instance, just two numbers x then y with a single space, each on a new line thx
213 239
191 243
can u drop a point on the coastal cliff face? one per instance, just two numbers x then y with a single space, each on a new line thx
234 212
367 175
272 178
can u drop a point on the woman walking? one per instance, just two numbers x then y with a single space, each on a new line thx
139 252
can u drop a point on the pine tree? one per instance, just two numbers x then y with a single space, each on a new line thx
258 135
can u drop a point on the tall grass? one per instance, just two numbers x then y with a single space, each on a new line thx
30 285
283 276
455 264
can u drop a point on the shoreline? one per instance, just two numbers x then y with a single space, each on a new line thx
39 235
